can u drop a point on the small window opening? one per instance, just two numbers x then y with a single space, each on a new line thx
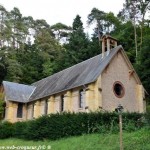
46 107
81 99
20 110
119 89
33 110
4 111
62 103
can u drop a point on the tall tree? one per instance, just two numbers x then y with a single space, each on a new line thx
61 32
76 49
135 11
1 105
144 8
105 22
94 47
143 69
98 17
3 16
2 72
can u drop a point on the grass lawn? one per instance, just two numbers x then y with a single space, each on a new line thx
139 140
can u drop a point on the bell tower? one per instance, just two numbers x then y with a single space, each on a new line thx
108 43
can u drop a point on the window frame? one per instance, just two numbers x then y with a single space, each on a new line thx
32 113
62 103
81 99
46 107
122 89
4 111
20 110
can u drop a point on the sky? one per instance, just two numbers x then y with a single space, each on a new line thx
64 11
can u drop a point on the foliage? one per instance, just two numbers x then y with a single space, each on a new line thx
135 11
2 72
19 126
24 39
1 105
25 60
30 49
61 31
138 140
6 130
77 48
56 126
148 108
143 67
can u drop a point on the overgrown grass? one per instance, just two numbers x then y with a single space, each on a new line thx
138 140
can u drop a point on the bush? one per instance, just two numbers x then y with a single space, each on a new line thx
147 119
19 129
148 109
56 126
6 130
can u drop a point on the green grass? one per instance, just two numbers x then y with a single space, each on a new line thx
139 140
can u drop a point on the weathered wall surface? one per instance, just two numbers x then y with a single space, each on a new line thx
11 112
118 70
92 101
29 111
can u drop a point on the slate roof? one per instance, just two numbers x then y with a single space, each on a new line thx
17 92
78 75
83 73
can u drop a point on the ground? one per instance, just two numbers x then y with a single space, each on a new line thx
139 140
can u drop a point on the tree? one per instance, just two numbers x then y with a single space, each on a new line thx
1 105
17 27
61 31
14 70
2 72
94 47
111 22
143 68
98 17
144 7
76 49
125 35
3 16
135 10
105 22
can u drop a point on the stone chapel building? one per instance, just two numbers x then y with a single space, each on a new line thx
99 83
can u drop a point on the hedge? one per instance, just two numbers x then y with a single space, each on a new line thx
56 126
6 130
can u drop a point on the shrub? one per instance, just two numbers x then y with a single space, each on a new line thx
147 119
148 109
19 129
6 130
56 126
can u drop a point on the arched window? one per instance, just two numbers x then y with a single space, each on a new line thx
118 89
20 110
81 99
62 103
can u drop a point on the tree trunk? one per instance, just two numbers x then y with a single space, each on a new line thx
135 39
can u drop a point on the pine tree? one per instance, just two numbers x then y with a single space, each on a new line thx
76 50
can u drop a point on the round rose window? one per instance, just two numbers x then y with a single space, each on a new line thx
118 89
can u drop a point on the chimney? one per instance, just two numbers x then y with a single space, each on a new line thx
108 43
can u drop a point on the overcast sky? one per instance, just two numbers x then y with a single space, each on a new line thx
64 11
